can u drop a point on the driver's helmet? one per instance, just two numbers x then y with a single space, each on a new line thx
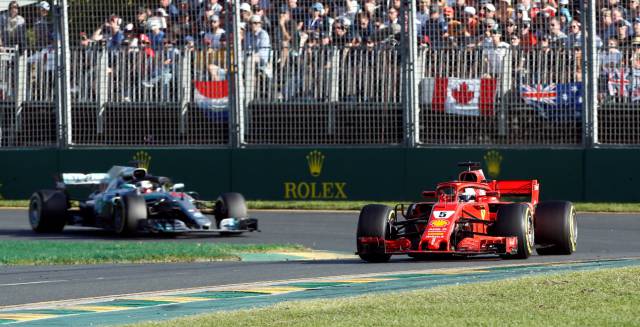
145 186
467 195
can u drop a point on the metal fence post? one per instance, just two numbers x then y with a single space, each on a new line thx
590 76
236 117
64 80
102 88
411 109
20 94
185 89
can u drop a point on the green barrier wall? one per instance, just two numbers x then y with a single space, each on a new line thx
338 173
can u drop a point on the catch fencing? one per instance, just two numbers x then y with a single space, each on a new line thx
76 89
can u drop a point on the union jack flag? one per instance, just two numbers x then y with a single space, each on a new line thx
539 94
619 83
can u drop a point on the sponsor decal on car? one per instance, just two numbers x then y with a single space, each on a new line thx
442 214
439 223
435 233
482 213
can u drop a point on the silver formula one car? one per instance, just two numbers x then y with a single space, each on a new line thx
127 200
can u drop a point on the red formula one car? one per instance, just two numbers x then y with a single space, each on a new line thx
470 216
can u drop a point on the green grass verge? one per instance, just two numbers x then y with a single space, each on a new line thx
357 205
594 298
64 253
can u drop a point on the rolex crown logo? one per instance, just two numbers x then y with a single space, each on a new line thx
143 159
315 159
493 159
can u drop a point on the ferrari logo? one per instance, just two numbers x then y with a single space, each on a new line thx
482 213
315 160
493 159
143 159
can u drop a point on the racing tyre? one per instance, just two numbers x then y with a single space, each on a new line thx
374 222
129 213
516 220
230 205
48 211
556 227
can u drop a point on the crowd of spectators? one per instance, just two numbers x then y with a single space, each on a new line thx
168 27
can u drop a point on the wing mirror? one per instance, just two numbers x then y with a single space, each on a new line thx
429 194
177 187
493 194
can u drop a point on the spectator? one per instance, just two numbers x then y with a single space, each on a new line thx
110 34
574 39
216 37
141 24
12 27
422 15
496 54
169 9
315 22
266 22
257 41
340 34
392 17
617 15
42 27
364 31
289 31
635 41
156 36
606 28
612 57
528 39
245 12
488 11
471 26
557 37
435 29
622 35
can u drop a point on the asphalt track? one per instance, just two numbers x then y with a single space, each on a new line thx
601 236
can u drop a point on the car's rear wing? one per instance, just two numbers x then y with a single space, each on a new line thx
84 179
529 188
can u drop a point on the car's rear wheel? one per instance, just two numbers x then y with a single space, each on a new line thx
48 211
556 228
230 205
516 220
374 223
129 213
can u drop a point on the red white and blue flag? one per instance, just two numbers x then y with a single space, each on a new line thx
555 100
212 97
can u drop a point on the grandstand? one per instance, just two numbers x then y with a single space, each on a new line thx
160 73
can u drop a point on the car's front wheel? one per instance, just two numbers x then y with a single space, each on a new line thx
129 213
373 224
516 220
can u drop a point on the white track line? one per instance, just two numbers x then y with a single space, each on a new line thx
31 283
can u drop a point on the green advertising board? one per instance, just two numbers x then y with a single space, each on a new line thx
337 173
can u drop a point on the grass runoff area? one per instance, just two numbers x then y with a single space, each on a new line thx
357 205
82 252
590 298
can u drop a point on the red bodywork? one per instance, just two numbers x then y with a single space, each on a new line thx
452 225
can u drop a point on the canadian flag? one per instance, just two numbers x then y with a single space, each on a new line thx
213 97
469 97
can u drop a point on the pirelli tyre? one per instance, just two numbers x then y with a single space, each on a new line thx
556 228
129 213
374 222
48 211
516 220
230 205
